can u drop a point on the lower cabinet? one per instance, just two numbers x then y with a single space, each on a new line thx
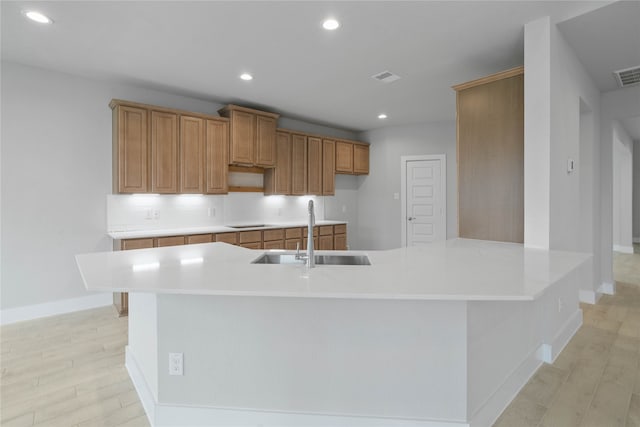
325 237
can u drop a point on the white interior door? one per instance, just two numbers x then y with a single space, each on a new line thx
425 201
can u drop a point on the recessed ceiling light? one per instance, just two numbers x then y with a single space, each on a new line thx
246 76
330 24
382 116
37 17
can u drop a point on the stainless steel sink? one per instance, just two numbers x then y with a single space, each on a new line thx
268 258
342 260
277 259
248 226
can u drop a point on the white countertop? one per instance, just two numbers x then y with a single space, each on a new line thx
458 269
183 231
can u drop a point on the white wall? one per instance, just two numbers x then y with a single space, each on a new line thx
562 117
379 221
622 189
636 192
56 174
615 105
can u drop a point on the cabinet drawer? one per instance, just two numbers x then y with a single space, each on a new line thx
277 234
250 236
198 238
274 244
252 245
340 229
305 231
231 238
169 241
293 233
128 244
326 230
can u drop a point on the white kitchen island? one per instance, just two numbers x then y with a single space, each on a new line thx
440 335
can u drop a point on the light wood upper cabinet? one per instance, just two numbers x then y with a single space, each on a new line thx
164 152
344 157
243 135
490 132
298 164
252 137
130 149
192 134
278 180
360 159
265 141
216 155
314 165
328 167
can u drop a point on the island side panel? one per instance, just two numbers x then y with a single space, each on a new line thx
509 340
378 358
143 337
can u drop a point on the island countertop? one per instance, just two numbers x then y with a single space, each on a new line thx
457 269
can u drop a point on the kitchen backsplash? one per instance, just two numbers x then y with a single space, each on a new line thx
144 212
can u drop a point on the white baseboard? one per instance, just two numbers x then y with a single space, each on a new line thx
589 297
498 401
164 415
36 311
623 249
563 337
608 288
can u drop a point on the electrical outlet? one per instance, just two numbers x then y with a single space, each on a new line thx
156 214
211 212
176 364
344 208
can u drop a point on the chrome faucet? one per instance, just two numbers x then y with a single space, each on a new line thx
309 257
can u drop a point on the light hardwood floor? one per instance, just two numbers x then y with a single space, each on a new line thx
69 370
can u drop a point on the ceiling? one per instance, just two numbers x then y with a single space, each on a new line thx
302 71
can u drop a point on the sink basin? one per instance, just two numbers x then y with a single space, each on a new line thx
248 226
277 259
342 260
320 259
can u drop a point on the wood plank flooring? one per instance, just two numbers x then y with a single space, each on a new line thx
68 370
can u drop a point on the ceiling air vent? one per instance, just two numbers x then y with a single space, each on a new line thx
386 77
628 76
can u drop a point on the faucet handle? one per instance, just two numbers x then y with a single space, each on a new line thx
298 248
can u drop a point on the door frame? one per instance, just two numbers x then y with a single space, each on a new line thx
403 189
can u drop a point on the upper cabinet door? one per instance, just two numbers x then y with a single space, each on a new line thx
314 168
328 167
344 157
265 150
278 180
131 144
298 164
360 159
164 152
216 156
191 154
243 134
